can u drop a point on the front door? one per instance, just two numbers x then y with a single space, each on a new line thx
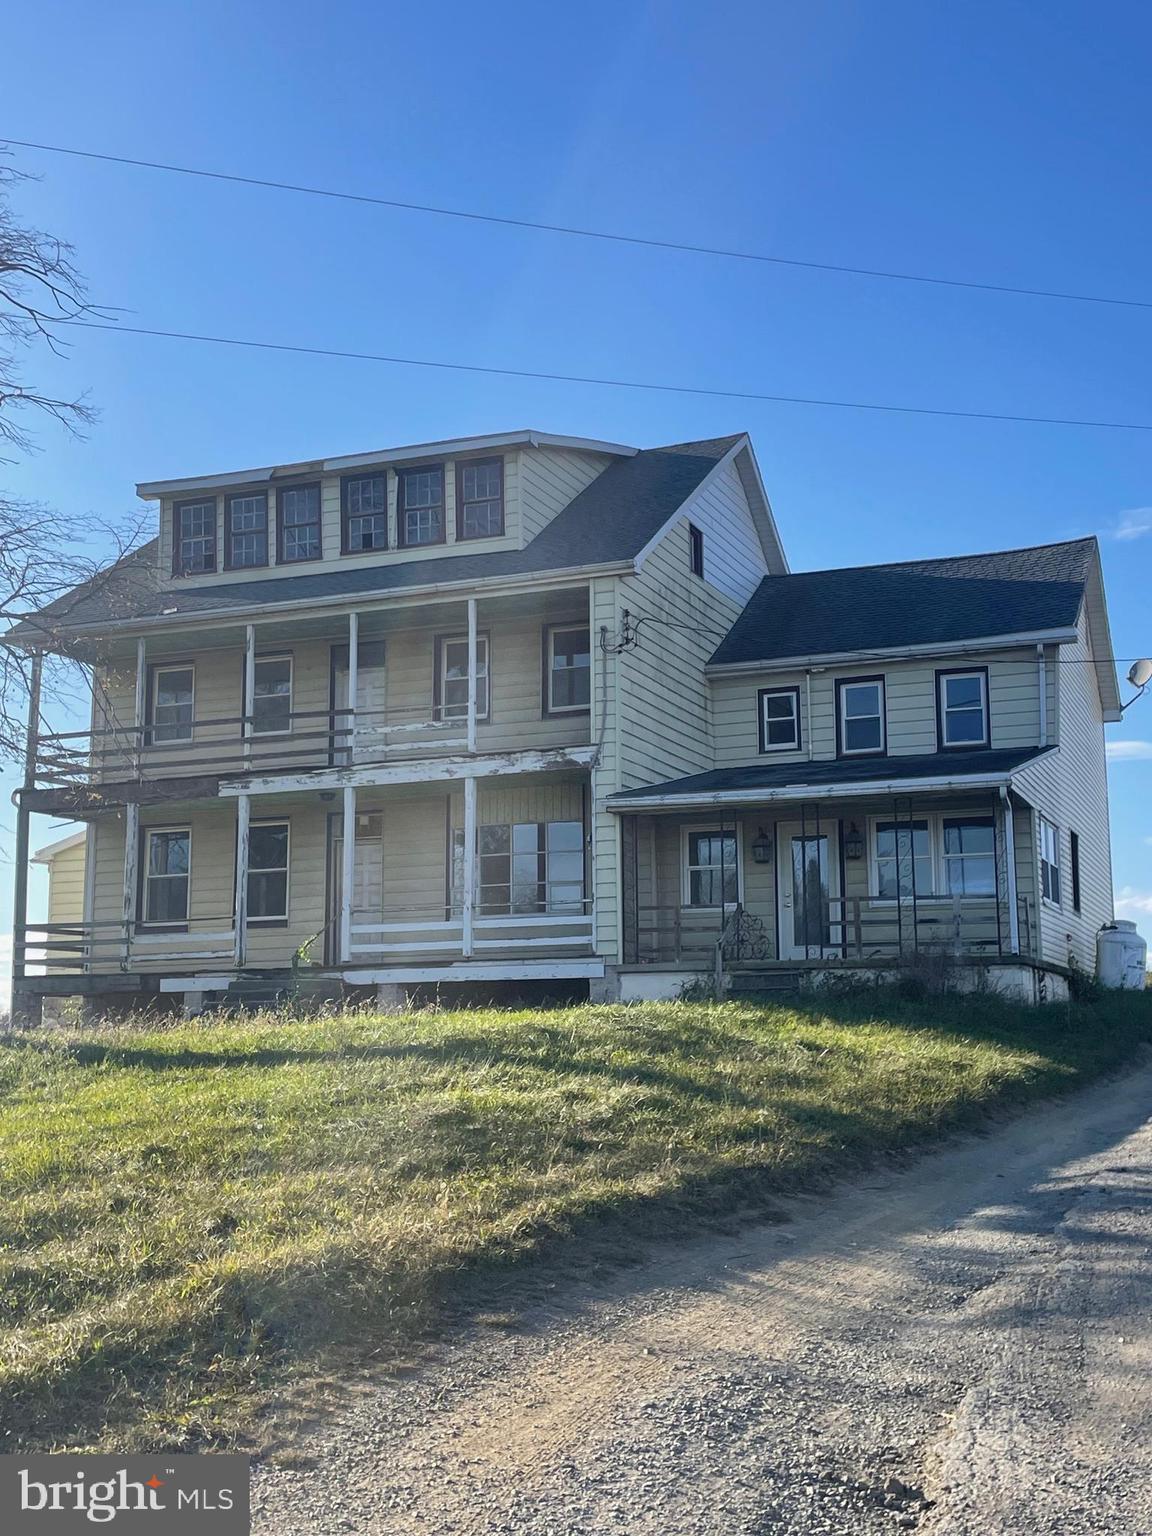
367 878
807 887
371 721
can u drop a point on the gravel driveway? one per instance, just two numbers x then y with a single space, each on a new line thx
961 1347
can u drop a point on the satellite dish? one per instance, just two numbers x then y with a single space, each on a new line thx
1140 673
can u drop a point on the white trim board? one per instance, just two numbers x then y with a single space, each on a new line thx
798 792
479 970
865 656
416 771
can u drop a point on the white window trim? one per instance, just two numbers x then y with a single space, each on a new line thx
275 656
1043 821
177 922
279 917
553 631
942 708
935 820
686 872
764 745
842 686
157 673
483 646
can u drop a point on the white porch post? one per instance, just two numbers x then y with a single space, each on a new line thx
249 692
472 674
140 707
131 865
1010 860
240 912
347 871
353 683
469 892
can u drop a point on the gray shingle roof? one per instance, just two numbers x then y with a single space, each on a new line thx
874 770
915 602
610 520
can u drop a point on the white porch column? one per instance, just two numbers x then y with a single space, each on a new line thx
249 692
140 707
1010 860
240 911
353 683
347 871
472 674
469 892
131 867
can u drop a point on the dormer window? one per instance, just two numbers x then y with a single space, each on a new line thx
420 506
245 531
298 523
194 537
480 499
364 503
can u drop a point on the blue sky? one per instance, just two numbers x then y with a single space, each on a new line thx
1000 142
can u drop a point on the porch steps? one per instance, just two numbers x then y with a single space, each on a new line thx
752 986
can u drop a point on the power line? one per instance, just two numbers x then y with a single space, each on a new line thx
614 237
577 378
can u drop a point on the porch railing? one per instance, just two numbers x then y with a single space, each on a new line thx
114 945
409 931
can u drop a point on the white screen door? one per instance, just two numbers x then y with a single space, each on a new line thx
807 883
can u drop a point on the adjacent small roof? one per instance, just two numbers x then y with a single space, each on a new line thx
850 772
610 520
914 602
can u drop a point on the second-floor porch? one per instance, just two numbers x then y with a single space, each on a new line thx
293 696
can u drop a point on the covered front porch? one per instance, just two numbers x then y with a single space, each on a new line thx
812 882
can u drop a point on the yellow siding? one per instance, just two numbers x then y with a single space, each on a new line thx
66 885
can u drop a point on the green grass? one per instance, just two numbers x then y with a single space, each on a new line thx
191 1216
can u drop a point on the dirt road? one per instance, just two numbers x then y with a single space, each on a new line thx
962 1347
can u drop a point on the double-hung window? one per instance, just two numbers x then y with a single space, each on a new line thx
480 499
364 504
568 660
172 704
272 696
194 537
524 868
452 678
862 726
962 708
779 719
969 856
711 875
167 867
298 523
268 844
420 506
1049 861
903 856
245 531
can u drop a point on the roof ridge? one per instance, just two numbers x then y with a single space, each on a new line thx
979 554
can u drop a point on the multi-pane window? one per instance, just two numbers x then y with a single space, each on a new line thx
365 508
524 867
298 520
167 864
969 856
963 707
420 505
1049 861
711 874
272 695
903 860
569 679
246 531
194 535
173 704
779 719
452 703
480 498
267 870
862 726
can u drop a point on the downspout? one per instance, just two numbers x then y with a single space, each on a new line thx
1010 861
808 711
1042 685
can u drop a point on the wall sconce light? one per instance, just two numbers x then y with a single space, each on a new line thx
762 848
854 843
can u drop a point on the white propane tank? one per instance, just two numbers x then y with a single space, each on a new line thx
1121 956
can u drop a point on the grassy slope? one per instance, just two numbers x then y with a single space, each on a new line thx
186 1214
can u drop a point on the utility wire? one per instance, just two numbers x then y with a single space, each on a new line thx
586 234
576 378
